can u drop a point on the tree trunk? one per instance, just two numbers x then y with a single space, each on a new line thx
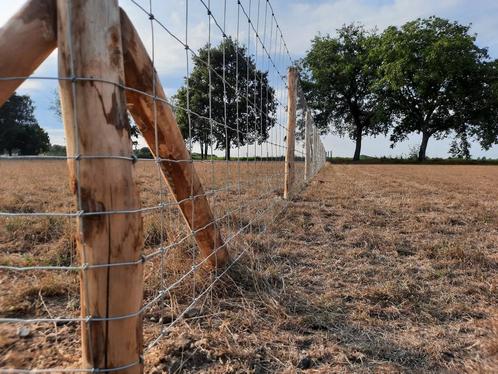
358 136
227 151
202 150
423 146
206 150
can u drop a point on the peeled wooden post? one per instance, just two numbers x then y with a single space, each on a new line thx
307 145
181 177
26 40
291 129
95 122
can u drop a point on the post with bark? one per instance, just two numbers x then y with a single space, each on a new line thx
307 145
95 122
291 129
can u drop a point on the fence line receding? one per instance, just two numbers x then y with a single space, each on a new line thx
137 237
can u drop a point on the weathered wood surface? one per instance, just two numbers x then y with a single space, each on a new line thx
26 40
291 131
89 37
181 177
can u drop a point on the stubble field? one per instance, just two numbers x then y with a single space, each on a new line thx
371 268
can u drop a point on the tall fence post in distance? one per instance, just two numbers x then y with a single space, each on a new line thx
96 124
291 130
307 145
315 150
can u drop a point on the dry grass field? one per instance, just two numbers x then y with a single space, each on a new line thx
371 268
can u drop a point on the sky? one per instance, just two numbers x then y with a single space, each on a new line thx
299 21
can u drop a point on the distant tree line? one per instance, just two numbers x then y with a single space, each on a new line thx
427 77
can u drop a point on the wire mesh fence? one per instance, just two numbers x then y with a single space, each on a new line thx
213 184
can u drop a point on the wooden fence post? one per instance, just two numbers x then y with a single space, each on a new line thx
95 122
291 130
26 40
315 150
307 145
176 166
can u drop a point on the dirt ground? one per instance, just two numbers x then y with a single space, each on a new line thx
372 268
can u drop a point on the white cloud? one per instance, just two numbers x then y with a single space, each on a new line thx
30 85
327 16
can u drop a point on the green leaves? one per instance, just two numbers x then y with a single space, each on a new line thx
249 113
341 75
431 73
19 130
427 76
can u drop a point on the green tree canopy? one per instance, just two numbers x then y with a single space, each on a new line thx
19 130
251 111
484 124
434 80
339 74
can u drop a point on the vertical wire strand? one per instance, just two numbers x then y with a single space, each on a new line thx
189 120
76 146
225 99
211 135
162 219
255 94
237 120
248 64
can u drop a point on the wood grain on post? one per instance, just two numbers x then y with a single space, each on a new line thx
291 130
179 173
96 123
26 40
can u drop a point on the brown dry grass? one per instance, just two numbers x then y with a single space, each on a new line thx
371 269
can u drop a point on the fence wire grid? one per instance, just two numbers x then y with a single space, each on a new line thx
246 111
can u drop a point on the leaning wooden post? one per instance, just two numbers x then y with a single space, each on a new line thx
26 40
176 164
307 145
291 130
95 122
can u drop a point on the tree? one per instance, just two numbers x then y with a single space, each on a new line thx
57 150
432 76
339 75
460 147
143 152
484 125
19 130
251 111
